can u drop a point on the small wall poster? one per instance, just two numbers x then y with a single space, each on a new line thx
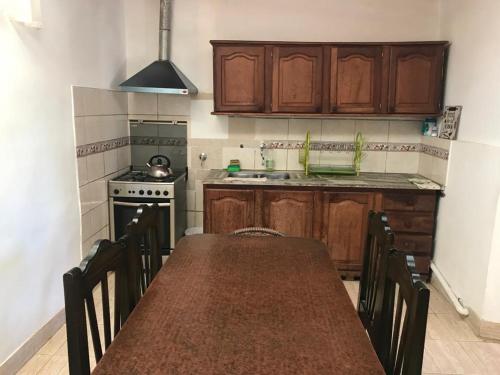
451 119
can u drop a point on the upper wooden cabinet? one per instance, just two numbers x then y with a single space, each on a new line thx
326 79
239 78
355 79
297 79
416 79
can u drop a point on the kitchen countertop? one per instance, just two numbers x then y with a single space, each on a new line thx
366 180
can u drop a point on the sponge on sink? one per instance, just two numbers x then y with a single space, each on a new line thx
234 166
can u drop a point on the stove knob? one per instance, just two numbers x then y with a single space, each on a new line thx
157 192
165 193
141 192
150 192
116 191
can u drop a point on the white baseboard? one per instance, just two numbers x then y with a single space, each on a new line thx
31 346
483 328
489 330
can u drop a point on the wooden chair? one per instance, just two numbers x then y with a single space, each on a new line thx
143 232
403 326
378 243
257 231
79 283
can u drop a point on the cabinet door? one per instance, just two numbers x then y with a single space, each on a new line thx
355 81
345 220
227 210
416 79
297 79
289 212
239 78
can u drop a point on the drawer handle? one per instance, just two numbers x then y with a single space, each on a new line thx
406 244
407 224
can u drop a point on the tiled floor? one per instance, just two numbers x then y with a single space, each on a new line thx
451 346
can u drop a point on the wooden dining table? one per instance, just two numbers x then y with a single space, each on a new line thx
226 304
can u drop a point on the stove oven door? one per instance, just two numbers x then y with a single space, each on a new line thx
123 210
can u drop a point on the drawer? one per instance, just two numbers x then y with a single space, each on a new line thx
422 264
411 222
409 202
414 244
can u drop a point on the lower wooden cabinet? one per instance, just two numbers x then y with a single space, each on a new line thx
345 221
412 219
228 209
338 217
289 212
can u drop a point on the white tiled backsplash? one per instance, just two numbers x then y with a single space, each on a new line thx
245 135
100 116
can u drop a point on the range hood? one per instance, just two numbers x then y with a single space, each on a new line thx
162 76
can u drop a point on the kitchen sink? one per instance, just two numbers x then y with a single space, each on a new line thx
277 175
252 174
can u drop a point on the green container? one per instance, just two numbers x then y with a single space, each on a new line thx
233 168
347 170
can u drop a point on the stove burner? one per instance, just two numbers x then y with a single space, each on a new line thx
142 176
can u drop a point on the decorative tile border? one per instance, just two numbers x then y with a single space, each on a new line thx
95 148
437 152
370 146
404 147
157 141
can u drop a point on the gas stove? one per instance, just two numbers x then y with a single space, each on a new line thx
140 184
135 188
142 176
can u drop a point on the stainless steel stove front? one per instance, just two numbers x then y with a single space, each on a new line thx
125 197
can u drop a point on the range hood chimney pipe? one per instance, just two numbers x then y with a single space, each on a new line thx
164 30
162 76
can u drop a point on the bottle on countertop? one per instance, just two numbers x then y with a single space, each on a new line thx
429 127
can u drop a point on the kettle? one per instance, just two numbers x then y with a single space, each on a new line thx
157 168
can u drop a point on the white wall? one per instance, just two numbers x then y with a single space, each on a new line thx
195 22
492 302
81 43
467 249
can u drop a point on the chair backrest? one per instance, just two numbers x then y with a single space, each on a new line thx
257 231
144 231
135 272
404 317
79 283
379 241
